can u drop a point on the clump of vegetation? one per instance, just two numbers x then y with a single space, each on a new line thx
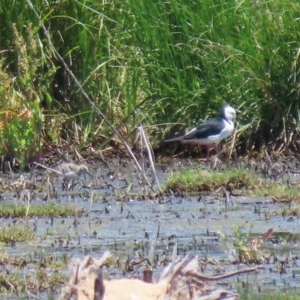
195 180
235 180
46 277
279 191
16 233
249 249
42 210
291 293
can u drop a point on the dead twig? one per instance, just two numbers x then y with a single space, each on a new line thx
221 277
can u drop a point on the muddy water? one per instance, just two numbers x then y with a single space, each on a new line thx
119 218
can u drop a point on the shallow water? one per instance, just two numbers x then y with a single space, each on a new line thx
133 228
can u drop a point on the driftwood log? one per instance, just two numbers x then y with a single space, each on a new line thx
181 280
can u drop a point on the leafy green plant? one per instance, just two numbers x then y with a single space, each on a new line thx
21 114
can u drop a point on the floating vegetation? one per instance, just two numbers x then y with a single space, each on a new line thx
16 233
196 180
42 210
249 249
236 181
280 192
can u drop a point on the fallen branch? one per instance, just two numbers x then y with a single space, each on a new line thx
180 280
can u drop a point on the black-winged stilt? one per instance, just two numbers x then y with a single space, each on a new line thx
212 131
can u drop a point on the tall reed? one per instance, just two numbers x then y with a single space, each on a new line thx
157 62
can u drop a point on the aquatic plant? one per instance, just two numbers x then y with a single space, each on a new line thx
234 180
195 180
16 233
39 210
249 249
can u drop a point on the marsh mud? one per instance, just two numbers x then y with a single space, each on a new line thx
117 211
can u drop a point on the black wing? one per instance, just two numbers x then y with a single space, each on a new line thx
212 126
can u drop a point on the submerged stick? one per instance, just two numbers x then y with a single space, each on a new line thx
47 168
232 143
145 141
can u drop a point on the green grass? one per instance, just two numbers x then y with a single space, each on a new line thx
16 233
43 210
196 180
245 294
279 191
235 180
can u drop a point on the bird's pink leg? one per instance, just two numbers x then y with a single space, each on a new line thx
214 147
207 161
207 152
217 148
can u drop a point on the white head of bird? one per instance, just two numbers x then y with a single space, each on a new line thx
228 113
